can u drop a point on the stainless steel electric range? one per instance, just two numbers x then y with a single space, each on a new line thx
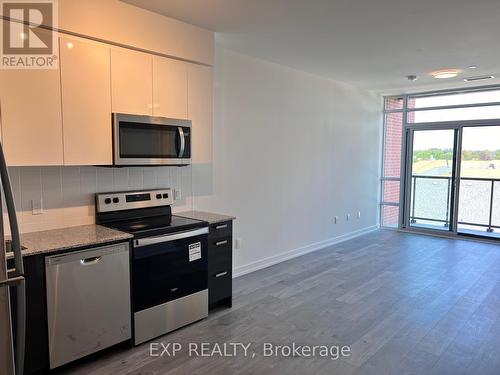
168 260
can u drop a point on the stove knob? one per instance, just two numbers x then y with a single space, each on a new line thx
116 200
158 196
165 195
107 200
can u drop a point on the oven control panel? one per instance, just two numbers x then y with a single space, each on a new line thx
106 202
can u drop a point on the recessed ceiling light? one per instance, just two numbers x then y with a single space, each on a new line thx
445 73
472 67
478 78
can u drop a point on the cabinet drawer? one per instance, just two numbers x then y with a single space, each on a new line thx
218 230
219 262
221 254
220 286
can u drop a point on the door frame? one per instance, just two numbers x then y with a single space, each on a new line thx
455 177
405 196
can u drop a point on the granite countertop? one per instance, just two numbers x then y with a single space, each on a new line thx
209 217
54 240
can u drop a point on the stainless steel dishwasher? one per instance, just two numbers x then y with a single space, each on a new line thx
88 301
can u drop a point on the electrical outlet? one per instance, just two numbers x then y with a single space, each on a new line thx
36 207
359 214
177 194
348 217
237 243
336 219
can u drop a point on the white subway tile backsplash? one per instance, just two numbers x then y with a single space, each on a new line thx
67 193
30 187
149 179
120 179
135 179
104 180
51 188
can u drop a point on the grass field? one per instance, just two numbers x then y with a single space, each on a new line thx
470 168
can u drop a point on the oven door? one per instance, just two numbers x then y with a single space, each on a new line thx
146 140
166 268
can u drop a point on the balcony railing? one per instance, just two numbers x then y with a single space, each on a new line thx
431 201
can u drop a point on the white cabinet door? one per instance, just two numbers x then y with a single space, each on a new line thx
131 82
30 105
86 102
169 88
200 112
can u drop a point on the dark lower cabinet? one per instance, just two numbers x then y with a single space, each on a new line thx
37 349
220 264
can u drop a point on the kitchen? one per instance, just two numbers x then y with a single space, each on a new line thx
239 187
100 146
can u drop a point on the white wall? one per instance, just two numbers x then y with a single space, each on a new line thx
291 151
67 193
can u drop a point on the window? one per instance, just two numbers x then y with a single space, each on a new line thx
452 186
391 163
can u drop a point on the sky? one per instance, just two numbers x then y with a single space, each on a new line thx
474 139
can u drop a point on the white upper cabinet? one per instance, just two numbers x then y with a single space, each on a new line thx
200 112
131 82
86 102
169 88
30 105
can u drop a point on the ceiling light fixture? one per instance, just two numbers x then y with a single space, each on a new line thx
445 73
478 78
472 67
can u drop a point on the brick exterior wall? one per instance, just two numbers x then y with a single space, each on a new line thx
393 135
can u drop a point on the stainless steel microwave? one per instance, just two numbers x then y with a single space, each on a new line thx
147 140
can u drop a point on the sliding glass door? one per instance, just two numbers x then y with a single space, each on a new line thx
453 179
479 190
431 178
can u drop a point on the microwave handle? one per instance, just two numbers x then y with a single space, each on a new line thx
183 141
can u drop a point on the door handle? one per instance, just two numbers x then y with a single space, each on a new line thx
220 243
183 141
90 261
223 226
221 274
12 281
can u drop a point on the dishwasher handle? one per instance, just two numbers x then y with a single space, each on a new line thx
90 261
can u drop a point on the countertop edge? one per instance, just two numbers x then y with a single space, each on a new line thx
209 217
116 237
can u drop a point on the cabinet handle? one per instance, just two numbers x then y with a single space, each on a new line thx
221 226
221 274
220 243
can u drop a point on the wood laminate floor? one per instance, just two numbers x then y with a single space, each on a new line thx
404 303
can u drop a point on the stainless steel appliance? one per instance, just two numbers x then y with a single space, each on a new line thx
88 301
169 260
11 342
147 140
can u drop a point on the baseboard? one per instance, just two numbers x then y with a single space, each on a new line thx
278 258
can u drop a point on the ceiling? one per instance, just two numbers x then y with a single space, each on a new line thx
373 44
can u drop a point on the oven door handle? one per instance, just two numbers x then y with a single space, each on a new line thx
171 237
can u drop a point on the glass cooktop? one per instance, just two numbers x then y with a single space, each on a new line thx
156 225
